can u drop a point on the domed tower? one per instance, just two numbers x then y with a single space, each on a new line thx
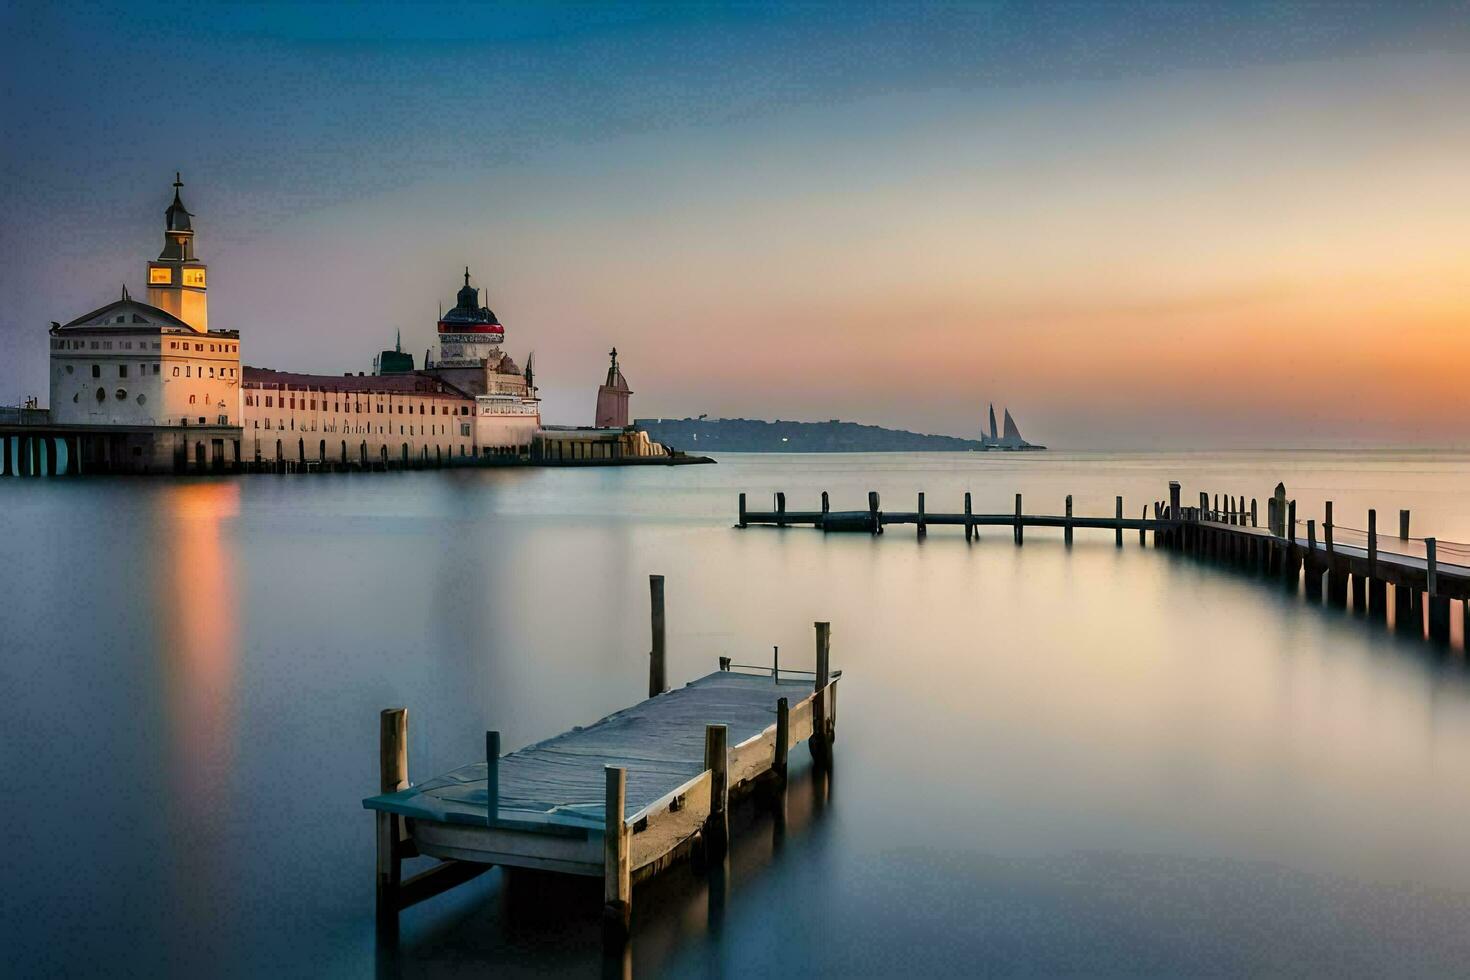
469 334
176 279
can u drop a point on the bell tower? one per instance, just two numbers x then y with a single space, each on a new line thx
176 279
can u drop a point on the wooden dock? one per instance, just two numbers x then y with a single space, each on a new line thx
1325 559
619 799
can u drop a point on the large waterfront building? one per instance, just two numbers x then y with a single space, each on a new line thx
165 386
147 387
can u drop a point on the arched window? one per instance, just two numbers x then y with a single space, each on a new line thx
176 372
191 399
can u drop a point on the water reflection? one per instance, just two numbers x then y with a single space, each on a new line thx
195 607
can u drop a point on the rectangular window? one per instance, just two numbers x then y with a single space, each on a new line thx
199 347
122 370
107 345
155 368
270 401
96 370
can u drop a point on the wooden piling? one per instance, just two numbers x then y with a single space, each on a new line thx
780 509
923 528
1253 513
819 743
1019 536
826 503
1312 571
1067 532
783 737
1403 606
657 675
617 883
392 777
969 514
742 511
1431 565
492 777
1142 531
1377 604
1403 525
1118 532
873 514
717 761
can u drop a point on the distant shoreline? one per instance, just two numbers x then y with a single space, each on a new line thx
781 436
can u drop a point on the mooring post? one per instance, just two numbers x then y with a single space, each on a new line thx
617 884
780 509
717 761
1327 529
1143 527
826 503
1253 513
742 510
1118 531
1279 496
1403 525
1068 529
1431 566
783 738
819 743
923 528
969 525
392 777
776 663
1312 571
1291 520
873 514
1018 519
1176 535
492 777
1377 588
724 663
657 678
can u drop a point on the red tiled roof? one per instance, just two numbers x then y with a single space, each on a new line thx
395 384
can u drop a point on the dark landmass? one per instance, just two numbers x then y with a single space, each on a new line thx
757 436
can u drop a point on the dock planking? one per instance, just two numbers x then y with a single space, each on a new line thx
619 799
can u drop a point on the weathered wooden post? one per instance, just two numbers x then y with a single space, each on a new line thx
1312 571
1337 577
1439 605
657 677
717 761
1118 532
776 663
780 509
1279 529
392 777
1291 520
1403 525
873 515
826 503
1253 513
1019 535
742 510
724 663
783 738
1143 527
969 514
1068 530
617 883
923 528
1377 588
819 744
1176 534
492 777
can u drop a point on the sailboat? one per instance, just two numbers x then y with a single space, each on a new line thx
1011 440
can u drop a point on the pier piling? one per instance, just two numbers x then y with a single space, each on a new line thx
1118 533
923 528
742 511
820 743
657 674
492 777
717 761
969 522
1067 531
617 889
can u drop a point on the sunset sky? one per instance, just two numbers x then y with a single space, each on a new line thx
1135 225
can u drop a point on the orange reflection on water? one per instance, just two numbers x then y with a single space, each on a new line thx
199 646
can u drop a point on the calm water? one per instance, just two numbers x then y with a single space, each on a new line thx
1049 760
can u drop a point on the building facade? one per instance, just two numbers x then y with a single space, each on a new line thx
155 368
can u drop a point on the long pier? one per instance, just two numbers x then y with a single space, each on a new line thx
1334 563
620 799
